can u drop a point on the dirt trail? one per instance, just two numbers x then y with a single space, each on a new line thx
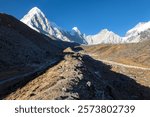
118 64
124 65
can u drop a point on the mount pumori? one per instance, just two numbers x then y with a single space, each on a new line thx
36 20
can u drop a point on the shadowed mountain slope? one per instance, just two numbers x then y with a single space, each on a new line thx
19 44
24 51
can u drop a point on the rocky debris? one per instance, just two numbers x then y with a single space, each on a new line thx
68 50
60 82
79 76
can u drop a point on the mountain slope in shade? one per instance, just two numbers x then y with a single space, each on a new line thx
24 53
36 19
19 44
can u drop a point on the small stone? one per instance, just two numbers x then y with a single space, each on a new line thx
64 89
88 84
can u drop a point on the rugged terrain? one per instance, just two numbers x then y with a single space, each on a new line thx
24 51
132 60
34 66
79 76
137 54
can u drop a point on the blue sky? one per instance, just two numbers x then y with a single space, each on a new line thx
90 16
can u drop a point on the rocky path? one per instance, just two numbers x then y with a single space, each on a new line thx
119 64
79 76
123 65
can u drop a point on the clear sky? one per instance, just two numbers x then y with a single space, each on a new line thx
90 16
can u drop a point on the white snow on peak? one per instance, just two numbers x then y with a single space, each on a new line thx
134 34
35 10
75 31
104 30
36 19
105 36
142 26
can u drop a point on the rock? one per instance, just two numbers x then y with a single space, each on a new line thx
88 84
68 50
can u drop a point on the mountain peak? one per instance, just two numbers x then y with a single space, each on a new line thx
35 10
75 29
104 31
140 24
36 19
140 27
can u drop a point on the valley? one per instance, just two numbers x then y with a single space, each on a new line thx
41 61
79 76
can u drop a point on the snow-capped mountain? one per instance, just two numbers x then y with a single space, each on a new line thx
138 33
105 37
77 36
36 19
